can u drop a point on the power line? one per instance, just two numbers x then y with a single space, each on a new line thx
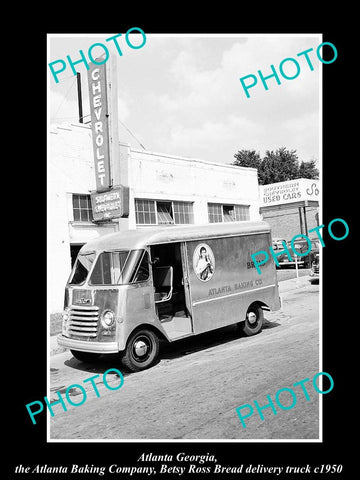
141 145
83 116
63 100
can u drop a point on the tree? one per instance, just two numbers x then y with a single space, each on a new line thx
308 170
247 158
279 166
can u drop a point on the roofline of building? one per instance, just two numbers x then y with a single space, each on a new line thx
68 127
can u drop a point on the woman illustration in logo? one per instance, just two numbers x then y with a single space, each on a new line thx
204 268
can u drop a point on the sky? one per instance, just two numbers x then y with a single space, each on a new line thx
181 94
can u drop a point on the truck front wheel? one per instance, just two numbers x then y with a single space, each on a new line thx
141 350
253 320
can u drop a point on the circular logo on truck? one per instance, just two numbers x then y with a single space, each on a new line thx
203 262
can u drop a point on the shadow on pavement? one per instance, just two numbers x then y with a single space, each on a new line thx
169 351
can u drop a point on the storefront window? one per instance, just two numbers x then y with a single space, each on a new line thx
227 213
82 208
165 213
145 212
183 212
156 212
215 213
242 212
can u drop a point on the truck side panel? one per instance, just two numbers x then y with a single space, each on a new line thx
222 296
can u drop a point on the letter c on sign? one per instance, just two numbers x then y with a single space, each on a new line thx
95 71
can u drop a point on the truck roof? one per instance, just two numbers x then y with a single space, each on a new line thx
140 238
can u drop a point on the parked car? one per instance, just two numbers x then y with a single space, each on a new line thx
315 269
277 243
300 246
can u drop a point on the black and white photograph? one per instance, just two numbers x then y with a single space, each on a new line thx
203 250
194 259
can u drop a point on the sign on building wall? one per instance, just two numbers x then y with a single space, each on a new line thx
291 191
99 125
111 204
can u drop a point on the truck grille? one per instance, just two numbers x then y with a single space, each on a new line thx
83 321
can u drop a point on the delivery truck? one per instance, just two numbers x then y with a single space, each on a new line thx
128 290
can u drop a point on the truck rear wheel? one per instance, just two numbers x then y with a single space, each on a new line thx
253 320
141 350
85 356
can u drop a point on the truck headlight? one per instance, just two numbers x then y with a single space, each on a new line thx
65 318
66 315
107 318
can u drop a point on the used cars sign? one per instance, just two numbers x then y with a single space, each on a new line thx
291 191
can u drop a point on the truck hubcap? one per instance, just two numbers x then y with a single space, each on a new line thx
140 348
251 318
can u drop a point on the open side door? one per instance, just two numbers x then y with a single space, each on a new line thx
171 289
163 283
186 282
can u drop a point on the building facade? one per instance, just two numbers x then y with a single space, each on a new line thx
291 207
164 190
286 224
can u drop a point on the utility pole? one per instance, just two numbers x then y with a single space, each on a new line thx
301 221
305 221
79 97
119 163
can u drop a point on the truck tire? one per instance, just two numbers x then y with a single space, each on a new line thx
141 350
85 356
253 320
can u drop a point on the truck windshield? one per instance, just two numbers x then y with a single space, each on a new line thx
120 268
82 268
111 268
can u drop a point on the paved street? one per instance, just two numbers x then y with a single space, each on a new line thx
193 391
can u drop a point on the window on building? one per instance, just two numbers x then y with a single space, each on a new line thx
183 212
215 213
242 212
82 208
158 212
227 213
165 213
145 212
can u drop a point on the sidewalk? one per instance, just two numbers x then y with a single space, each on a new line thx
54 347
294 283
284 286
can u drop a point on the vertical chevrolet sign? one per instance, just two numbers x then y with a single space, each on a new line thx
99 125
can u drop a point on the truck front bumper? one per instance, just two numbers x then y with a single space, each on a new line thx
91 347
